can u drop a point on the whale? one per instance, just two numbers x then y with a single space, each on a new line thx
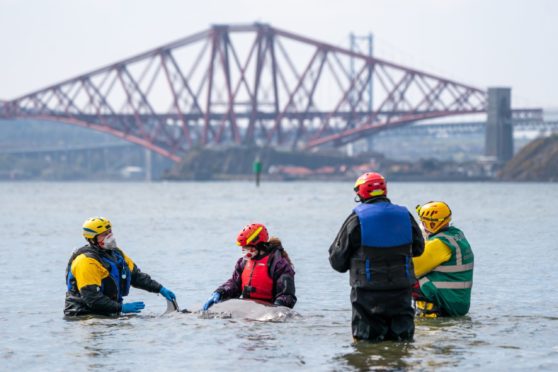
244 309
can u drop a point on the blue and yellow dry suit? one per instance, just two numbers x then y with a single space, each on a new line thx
377 243
445 272
97 280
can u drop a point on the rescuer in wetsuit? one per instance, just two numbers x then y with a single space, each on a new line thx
445 269
376 243
264 272
99 275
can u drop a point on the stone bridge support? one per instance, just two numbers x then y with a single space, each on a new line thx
499 130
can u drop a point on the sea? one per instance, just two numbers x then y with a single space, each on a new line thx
183 235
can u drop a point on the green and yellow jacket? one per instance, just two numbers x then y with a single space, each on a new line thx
98 279
448 284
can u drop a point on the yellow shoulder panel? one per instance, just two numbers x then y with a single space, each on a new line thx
88 271
435 254
128 261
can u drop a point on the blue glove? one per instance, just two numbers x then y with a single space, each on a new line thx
132 307
167 293
215 297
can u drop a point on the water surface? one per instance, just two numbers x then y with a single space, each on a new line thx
183 235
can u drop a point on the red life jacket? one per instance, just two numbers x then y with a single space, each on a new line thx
256 282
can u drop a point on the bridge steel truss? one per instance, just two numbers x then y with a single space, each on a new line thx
246 84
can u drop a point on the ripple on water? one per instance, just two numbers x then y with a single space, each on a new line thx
513 317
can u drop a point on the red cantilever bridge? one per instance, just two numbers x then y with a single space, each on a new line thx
247 84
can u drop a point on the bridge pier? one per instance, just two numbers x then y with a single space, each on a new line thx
499 130
148 165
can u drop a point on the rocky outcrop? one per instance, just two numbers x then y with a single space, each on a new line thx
537 161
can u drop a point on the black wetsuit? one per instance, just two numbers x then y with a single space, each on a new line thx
385 312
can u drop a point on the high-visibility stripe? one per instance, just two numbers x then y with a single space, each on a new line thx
447 285
458 255
423 281
453 285
454 268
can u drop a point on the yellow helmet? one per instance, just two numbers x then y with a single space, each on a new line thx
434 215
95 226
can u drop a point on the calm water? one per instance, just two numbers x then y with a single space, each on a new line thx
183 235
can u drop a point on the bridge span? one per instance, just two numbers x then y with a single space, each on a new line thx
248 84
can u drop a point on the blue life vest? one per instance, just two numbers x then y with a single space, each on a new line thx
384 225
383 260
120 273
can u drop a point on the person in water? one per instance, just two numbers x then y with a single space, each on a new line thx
99 275
264 272
376 243
445 269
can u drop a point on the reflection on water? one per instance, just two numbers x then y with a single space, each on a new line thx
94 348
434 347
385 355
187 243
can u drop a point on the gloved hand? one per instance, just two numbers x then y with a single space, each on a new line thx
167 293
132 307
215 297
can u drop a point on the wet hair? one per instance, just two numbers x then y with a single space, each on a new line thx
275 243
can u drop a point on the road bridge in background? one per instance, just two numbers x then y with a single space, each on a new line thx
467 127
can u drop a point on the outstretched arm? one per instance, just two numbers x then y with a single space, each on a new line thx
143 281
140 279
232 287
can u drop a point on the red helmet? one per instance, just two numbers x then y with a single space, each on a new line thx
252 235
370 185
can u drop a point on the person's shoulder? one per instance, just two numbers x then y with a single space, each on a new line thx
353 216
352 221
277 256
400 206
86 251
457 232
123 254
126 258
83 261
281 263
81 250
455 228
287 263
240 263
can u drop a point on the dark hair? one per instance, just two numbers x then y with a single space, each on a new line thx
275 243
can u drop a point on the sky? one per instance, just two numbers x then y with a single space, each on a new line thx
484 43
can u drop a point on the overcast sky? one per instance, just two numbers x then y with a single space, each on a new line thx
478 42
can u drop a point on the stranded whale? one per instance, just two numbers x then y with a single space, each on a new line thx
241 309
